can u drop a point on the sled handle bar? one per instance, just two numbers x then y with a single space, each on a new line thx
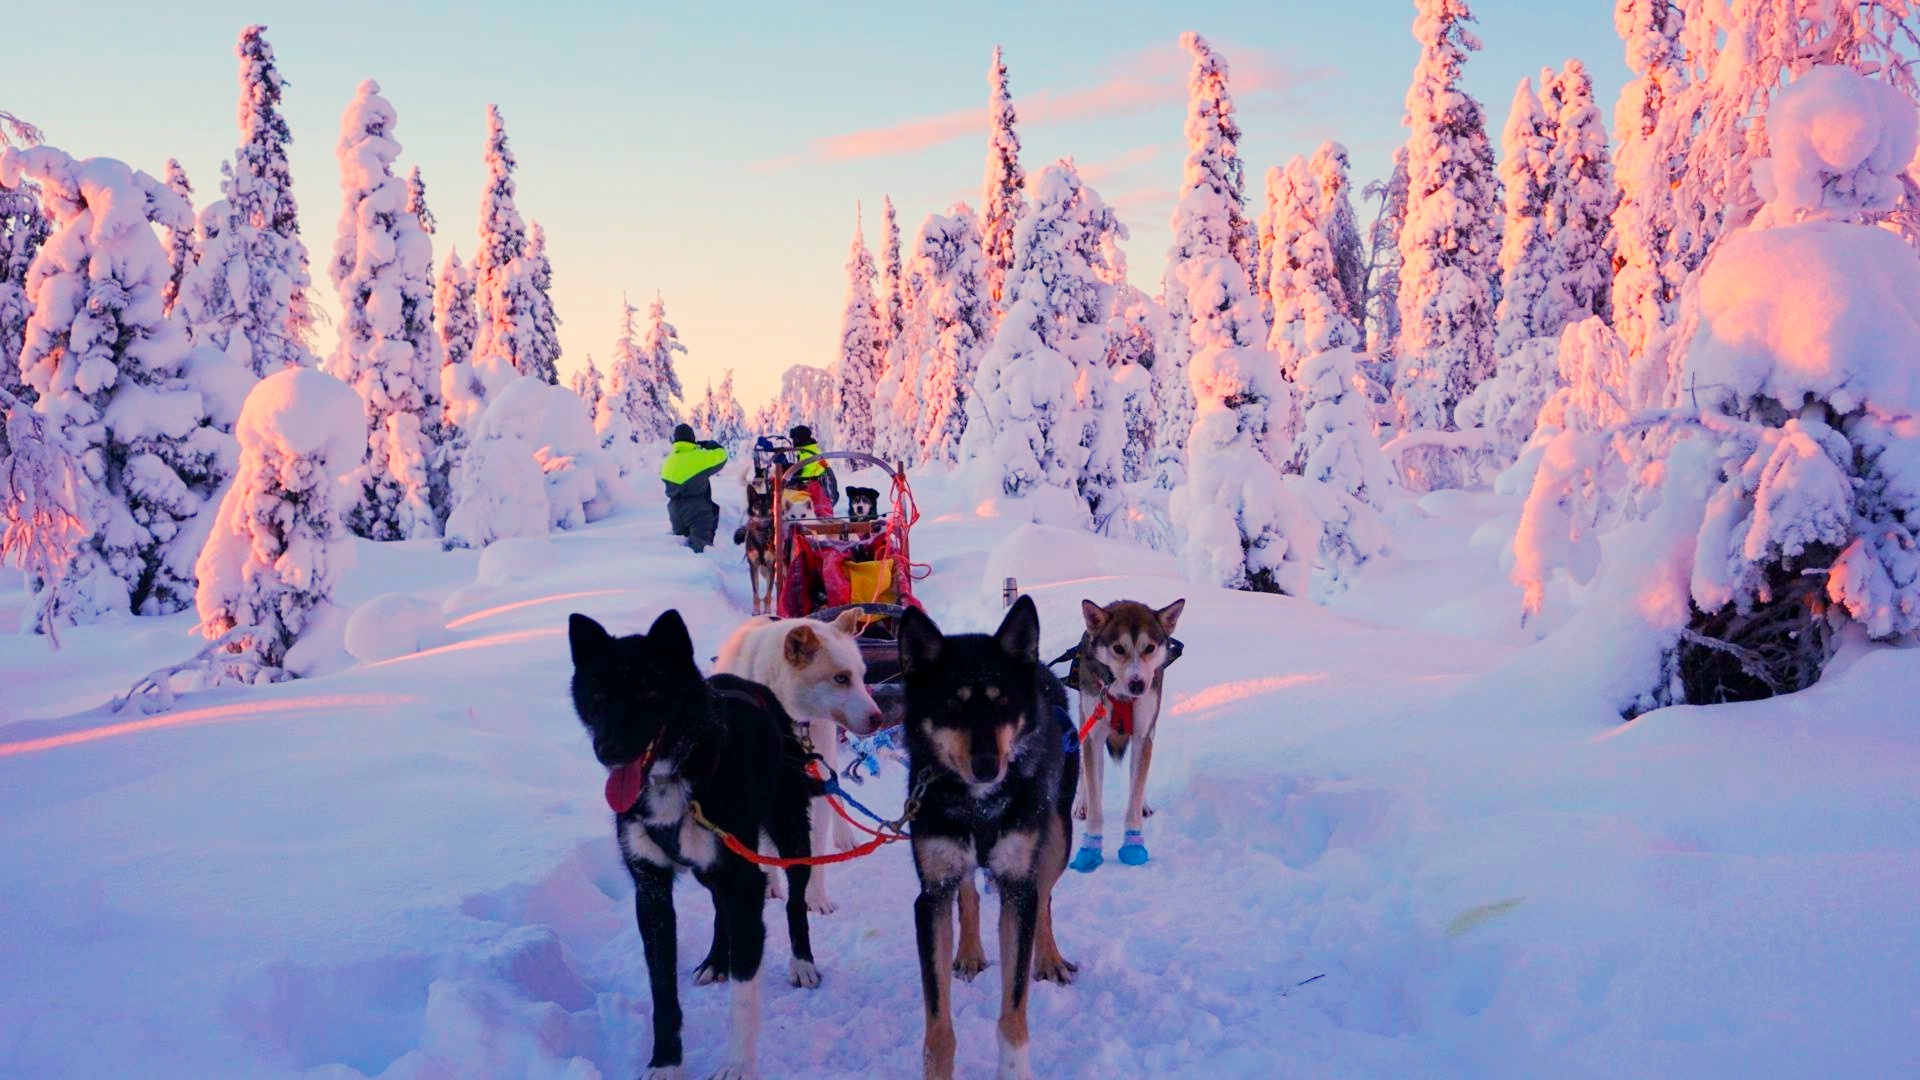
854 456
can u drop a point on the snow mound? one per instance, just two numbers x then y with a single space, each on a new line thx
1840 326
394 624
515 559
1840 142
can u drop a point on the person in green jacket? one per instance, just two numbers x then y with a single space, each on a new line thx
687 473
816 479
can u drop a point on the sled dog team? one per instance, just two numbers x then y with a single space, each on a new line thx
995 759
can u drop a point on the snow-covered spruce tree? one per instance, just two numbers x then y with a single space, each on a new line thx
1382 328
1133 328
214 293
457 321
860 358
503 286
1239 525
1208 221
277 320
805 397
1528 261
1648 158
638 413
1785 500
892 283
417 201
1579 204
1448 247
590 385
388 350
1309 304
956 314
728 418
543 345
1263 241
659 346
1343 475
108 371
1025 416
180 242
1341 228
1004 198
278 545
23 228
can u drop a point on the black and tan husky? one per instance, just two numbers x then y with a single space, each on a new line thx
989 740
669 739
756 534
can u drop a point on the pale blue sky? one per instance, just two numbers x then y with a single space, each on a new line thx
691 149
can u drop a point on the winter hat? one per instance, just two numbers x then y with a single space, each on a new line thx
801 434
683 433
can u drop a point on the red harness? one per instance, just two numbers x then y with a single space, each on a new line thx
1121 713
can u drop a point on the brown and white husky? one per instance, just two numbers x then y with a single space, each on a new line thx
1122 659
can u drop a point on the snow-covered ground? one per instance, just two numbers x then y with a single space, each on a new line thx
1394 837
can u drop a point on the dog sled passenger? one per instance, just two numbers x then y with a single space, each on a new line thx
687 473
816 479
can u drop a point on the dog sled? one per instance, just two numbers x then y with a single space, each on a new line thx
824 566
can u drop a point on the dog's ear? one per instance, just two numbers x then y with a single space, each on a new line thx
1170 615
1019 633
920 642
848 623
588 640
801 646
668 636
1095 615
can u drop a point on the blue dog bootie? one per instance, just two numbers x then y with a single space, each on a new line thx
1133 850
1088 858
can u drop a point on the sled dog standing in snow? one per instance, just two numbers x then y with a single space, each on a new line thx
669 739
987 733
816 671
756 535
1120 664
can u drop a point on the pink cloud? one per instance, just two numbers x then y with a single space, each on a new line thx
1098 172
1143 81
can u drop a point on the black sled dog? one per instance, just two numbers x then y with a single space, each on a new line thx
670 739
989 740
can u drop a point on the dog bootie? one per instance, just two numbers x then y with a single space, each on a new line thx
1088 858
1133 851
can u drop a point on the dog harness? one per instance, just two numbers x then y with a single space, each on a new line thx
1118 713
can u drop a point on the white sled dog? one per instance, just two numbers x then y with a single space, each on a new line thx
816 671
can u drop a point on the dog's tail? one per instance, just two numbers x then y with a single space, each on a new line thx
1116 745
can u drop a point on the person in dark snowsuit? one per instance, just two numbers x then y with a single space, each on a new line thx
687 473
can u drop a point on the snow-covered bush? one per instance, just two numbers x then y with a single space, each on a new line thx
1796 378
1239 525
278 545
108 372
46 508
545 427
388 350
1344 477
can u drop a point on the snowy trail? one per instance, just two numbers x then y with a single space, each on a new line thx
403 869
